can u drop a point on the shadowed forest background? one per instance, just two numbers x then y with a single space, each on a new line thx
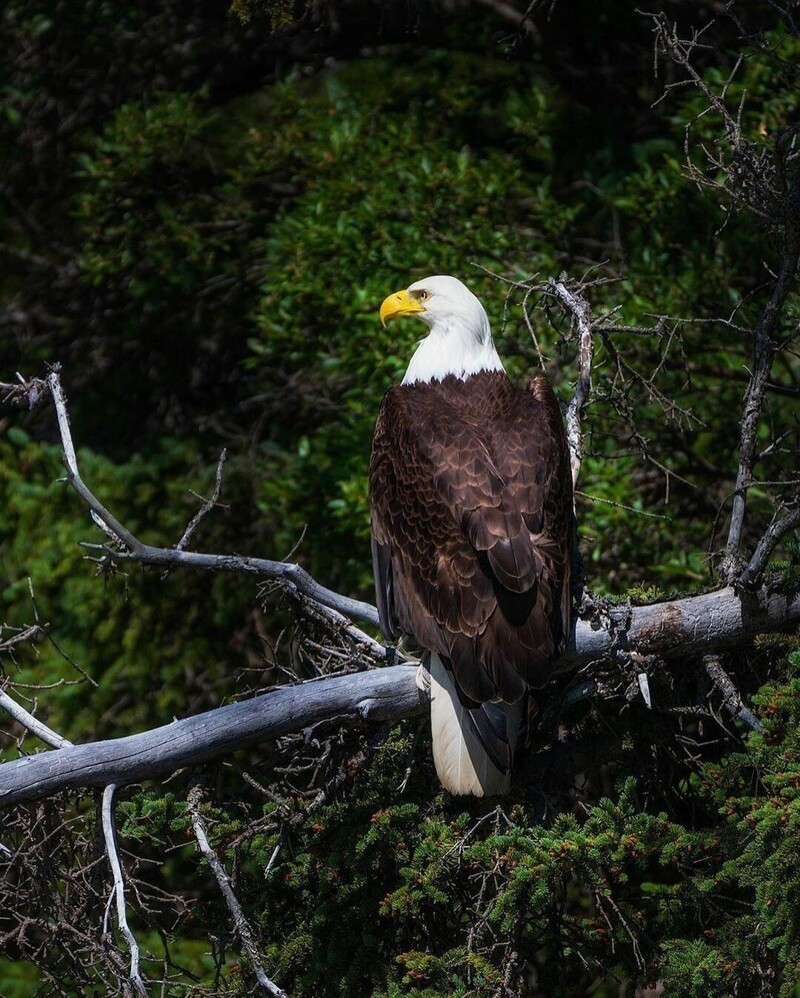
201 211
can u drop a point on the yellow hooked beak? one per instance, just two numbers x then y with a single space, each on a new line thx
400 303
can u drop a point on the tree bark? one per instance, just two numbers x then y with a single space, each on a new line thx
694 625
379 695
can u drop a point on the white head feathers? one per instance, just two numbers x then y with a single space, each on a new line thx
460 339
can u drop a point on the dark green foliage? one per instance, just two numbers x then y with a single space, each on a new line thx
200 220
415 893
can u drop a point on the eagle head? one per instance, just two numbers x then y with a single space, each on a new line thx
460 339
442 303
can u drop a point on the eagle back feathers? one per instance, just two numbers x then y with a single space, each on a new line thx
471 510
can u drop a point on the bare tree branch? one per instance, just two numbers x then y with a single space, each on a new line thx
242 925
777 530
580 312
764 349
118 892
731 698
386 694
696 625
22 636
32 391
207 506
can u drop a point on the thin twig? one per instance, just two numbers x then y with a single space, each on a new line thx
46 629
33 724
409 768
242 925
110 836
338 622
731 699
207 506
22 635
777 530
621 505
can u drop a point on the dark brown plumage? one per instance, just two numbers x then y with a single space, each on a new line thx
471 511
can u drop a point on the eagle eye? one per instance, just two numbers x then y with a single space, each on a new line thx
424 295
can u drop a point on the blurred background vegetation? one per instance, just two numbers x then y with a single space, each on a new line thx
200 213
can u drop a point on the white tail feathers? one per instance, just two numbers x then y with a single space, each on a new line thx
462 764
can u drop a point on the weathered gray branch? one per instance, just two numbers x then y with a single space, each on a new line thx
22 636
31 723
239 920
696 625
208 504
731 698
579 309
32 392
379 695
118 891
777 530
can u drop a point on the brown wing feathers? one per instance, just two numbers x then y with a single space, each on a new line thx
471 505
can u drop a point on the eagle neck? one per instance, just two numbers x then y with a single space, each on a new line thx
454 348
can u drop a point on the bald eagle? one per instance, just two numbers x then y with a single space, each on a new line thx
471 503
